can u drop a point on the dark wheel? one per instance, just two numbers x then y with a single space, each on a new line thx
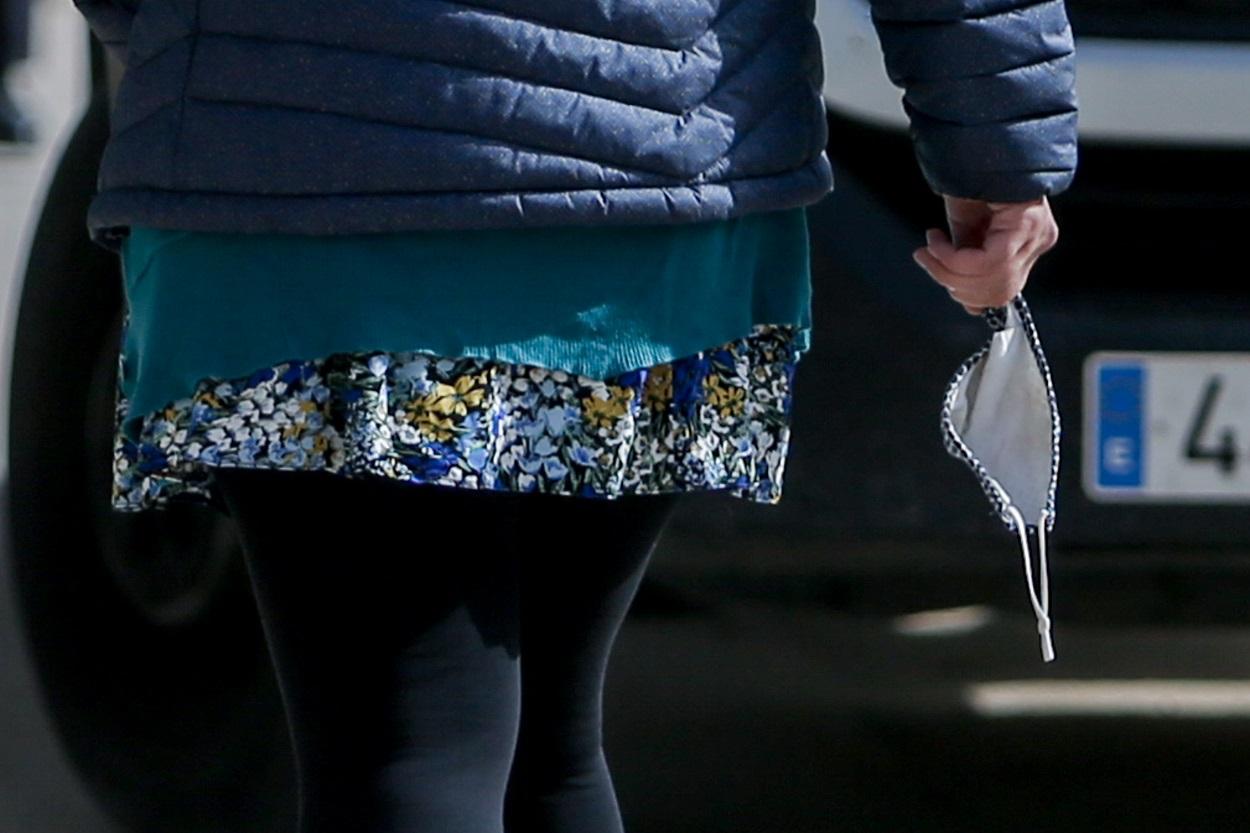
141 628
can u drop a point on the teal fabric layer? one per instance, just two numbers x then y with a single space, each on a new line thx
597 300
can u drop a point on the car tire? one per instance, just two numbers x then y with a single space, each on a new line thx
141 627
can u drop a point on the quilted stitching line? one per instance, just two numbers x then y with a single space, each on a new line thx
658 177
706 109
726 9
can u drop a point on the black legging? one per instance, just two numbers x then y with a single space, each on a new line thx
397 616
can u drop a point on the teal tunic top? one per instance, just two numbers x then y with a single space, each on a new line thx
597 300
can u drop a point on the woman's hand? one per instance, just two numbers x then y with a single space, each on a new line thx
986 260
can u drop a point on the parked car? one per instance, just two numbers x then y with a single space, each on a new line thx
142 630
1139 307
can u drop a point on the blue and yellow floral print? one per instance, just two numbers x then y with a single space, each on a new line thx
715 420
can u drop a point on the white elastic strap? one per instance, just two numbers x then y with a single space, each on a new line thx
1040 608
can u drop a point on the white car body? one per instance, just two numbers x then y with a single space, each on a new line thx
1128 90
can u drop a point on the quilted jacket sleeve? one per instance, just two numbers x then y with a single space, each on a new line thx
110 21
989 90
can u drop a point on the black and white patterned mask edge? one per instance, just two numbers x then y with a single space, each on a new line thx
999 320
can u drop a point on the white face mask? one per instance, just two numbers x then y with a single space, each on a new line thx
999 416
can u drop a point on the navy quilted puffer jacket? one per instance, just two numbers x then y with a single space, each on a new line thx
349 116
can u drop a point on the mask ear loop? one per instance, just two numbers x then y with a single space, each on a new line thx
1041 609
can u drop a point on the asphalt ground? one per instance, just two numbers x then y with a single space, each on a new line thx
735 703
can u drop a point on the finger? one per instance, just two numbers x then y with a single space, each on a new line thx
998 295
963 261
979 302
938 270
997 249
1032 220
969 287
1010 242
971 309
986 292
1028 258
1026 267
1045 239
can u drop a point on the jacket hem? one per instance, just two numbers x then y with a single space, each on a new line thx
112 211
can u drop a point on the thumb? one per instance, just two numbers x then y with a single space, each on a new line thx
968 220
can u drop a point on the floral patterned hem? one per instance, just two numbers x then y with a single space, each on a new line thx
715 420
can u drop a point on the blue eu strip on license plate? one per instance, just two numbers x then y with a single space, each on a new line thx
1119 435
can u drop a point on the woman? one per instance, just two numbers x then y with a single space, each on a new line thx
445 303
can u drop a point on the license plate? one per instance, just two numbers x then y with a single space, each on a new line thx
1171 427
